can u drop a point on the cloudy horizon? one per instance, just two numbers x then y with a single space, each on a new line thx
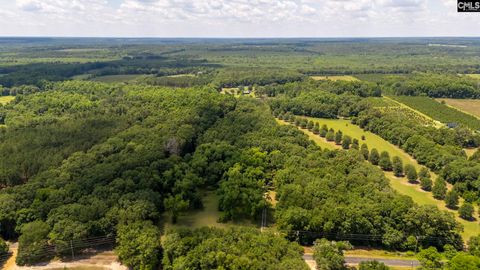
236 18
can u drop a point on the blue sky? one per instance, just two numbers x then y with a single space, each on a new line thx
235 18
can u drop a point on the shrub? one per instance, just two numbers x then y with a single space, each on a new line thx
385 162
3 247
466 211
355 144
338 137
374 157
426 183
397 164
451 199
411 173
346 142
329 255
330 136
364 151
439 189
372 265
310 125
33 243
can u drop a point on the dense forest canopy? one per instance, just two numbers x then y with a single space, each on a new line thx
102 138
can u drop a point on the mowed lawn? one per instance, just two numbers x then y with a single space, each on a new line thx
6 99
371 139
401 185
335 78
471 106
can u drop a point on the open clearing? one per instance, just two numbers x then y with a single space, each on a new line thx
206 217
335 78
181 75
470 106
475 76
6 99
117 78
401 185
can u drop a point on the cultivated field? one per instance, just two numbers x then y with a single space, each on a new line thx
420 115
439 111
335 78
470 106
6 99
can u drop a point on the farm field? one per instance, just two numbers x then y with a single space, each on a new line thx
401 185
6 99
471 106
438 111
335 78
414 111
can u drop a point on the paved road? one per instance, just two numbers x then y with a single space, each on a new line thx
356 260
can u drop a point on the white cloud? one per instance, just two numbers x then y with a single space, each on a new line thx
234 17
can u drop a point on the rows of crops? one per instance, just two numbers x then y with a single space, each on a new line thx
439 111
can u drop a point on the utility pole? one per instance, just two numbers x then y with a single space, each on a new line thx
71 247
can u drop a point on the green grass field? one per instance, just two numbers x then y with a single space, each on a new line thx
439 111
206 217
371 139
6 99
401 185
335 78
117 78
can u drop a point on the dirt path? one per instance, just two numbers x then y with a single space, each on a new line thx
106 260
10 264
